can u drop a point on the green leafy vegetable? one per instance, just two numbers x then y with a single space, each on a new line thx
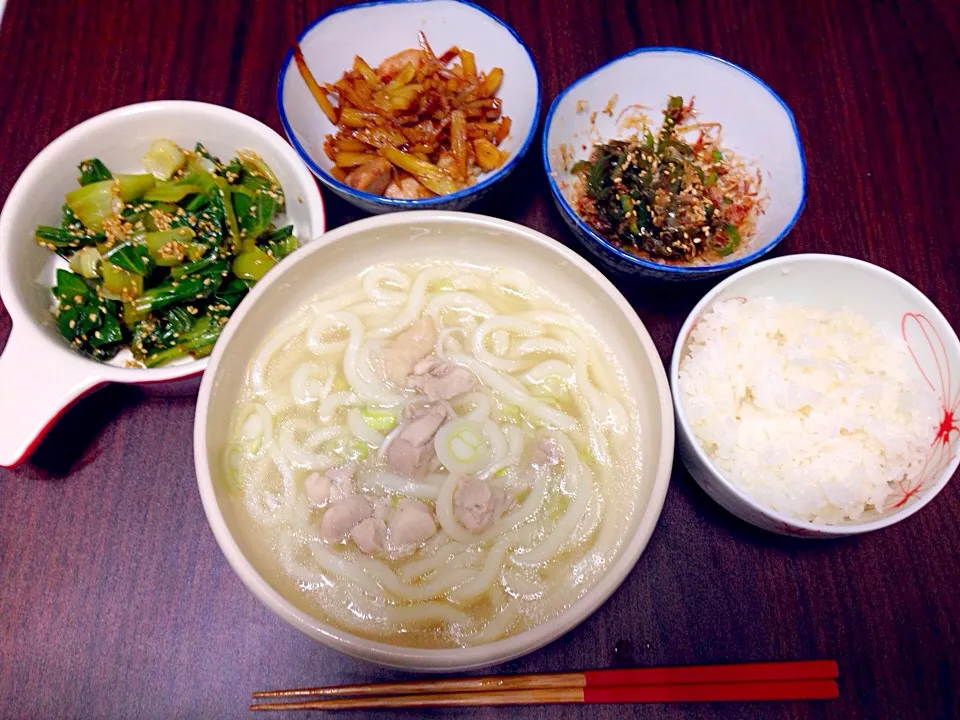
55 238
133 187
86 320
280 243
668 196
171 192
92 171
86 262
168 248
120 283
132 257
732 237
163 159
159 260
252 264
94 203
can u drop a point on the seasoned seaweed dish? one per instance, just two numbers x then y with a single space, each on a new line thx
159 260
666 198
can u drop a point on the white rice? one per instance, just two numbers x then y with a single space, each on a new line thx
815 414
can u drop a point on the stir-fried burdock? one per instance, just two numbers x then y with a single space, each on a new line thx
666 198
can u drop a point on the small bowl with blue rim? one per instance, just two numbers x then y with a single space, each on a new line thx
377 30
756 125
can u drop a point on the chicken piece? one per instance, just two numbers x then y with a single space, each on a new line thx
341 517
380 508
423 366
411 523
395 63
370 535
476 504
342 473
421 428
413 344
334 485
547 452
407 188
440 379
372 177
318 488
341 478
412 450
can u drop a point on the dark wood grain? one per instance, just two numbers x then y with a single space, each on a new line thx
115 601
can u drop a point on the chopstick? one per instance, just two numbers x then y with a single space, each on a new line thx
800 680
707 692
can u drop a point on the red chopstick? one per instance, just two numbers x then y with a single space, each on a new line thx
715 692
741 672
623 694
747 682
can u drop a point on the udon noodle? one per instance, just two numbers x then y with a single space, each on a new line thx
435 455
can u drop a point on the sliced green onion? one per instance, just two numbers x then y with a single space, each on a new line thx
231 469
379 419
510 412
251 433
462 447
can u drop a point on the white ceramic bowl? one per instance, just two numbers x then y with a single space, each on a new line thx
376 30
40 375
832 283
408 237
757 125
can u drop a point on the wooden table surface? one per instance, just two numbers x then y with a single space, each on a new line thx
115 601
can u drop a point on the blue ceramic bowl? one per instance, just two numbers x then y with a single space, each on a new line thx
376 30
756 123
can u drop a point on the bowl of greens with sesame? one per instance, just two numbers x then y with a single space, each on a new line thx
673 164
125 246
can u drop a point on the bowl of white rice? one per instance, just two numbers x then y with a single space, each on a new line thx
817 396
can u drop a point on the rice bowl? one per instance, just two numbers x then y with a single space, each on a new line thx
830 284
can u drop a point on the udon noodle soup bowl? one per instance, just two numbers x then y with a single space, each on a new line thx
402 239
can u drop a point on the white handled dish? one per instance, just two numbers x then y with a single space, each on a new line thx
40 375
